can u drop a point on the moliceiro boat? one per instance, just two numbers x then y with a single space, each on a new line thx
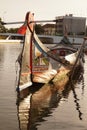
39 64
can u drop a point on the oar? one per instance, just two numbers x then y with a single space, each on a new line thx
21 22
43 21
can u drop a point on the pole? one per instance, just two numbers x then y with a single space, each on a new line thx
21 22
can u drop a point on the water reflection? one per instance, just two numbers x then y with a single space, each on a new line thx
2 52
33 108
76 100
39 104
23 113
77 78
83 85
77 104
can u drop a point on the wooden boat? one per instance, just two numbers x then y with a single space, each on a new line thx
44 82
39 64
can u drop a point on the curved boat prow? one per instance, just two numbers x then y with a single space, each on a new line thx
25 57
34 65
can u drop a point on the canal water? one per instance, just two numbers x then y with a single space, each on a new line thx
60 111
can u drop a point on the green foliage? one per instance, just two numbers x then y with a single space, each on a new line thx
13 30
39 29
2 28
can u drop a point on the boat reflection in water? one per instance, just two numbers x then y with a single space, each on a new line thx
40 103
23 113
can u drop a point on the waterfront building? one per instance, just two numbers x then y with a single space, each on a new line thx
49 29
74 25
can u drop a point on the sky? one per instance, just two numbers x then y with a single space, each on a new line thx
15 10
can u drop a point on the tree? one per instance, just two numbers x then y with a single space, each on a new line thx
12 30
2 27
39 29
